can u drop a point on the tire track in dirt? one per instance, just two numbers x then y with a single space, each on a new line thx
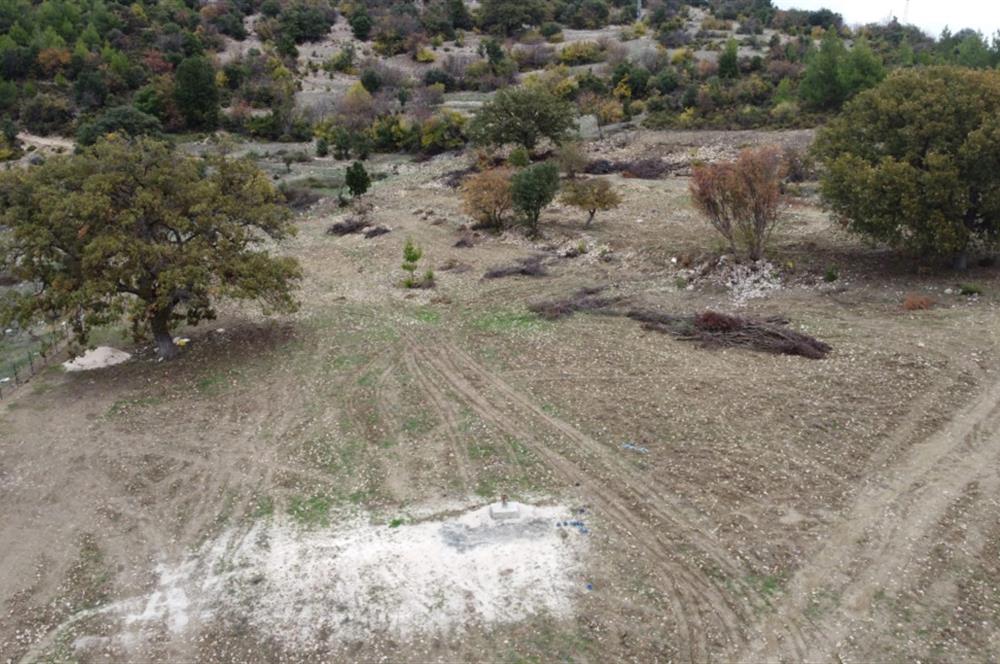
674 517
697 602
889 526
442 405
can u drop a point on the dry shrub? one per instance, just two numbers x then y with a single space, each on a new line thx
917 302
528 267
742 199
585 299
487 198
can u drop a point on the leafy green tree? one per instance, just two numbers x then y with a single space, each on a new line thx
821 87
729 64
357 179
523 115
861 70
458 14
591 196
411 257
361 23
506 17
913 162
134 230
126 120
195 93
532 189
833 74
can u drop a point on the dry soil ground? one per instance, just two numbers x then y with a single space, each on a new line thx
785 509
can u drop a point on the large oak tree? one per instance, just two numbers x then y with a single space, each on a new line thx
134 230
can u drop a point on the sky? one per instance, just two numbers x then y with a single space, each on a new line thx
929 15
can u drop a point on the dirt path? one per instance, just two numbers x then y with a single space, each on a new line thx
889 528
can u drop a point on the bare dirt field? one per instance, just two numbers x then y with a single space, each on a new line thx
312 488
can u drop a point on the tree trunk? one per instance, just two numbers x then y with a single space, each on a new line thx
160 325
590 218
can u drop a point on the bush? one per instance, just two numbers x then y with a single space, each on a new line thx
741 199
532 189
442 132
487 198
46 114
120 119
913 162
519 158
581 53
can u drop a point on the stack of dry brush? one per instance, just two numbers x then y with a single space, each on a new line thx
710 328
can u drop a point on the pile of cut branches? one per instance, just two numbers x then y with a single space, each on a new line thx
531 266
714 329
585 299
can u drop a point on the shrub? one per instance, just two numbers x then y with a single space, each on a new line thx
591 196
46 114
487 197
443 131
532 189
581 53
120 119
519 158
913 162
970 289
742 199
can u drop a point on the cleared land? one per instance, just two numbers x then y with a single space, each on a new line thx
784 509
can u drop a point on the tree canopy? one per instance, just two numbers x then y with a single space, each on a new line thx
524 116
532 189
914 161
133 230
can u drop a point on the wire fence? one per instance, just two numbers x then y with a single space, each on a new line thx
21 363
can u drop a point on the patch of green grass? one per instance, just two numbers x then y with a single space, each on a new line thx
263 507
766 584
486 487
427 315
509 321
397 522
312 510
368 379
213 383
820 603
348 361
418 424
123 406
522 454
360 496
481 450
